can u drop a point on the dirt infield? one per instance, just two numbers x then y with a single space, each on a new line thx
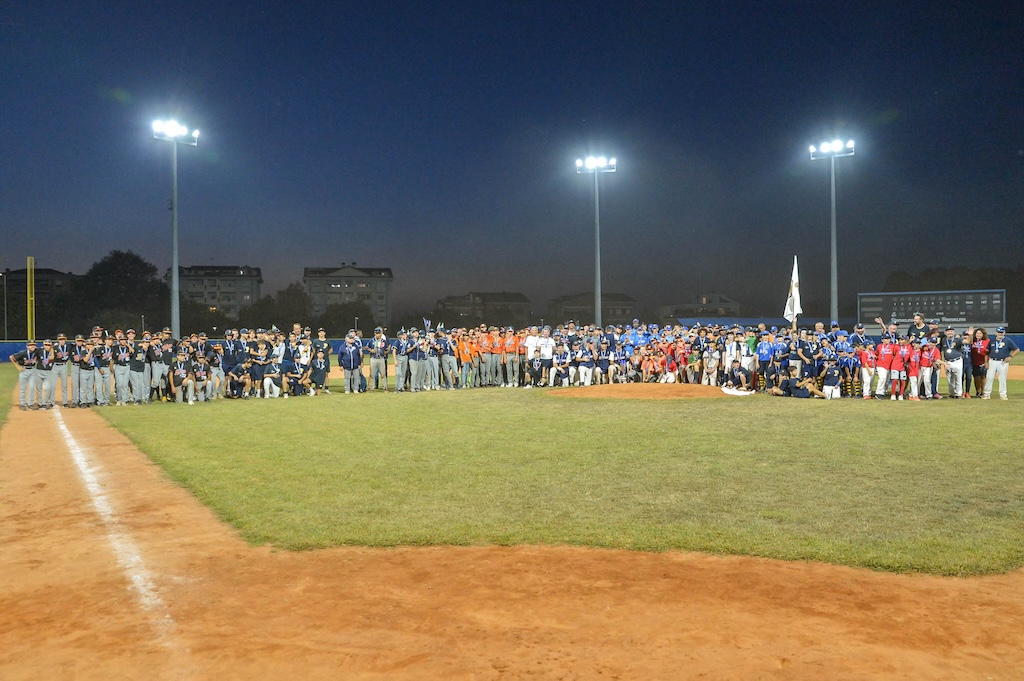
220 609
643 391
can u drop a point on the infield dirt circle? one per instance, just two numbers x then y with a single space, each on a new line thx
220 609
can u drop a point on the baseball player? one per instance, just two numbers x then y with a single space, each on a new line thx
1000 351
26 361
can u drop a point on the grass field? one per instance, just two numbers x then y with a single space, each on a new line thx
929 487
8 383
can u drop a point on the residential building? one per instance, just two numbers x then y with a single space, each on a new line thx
48 283
704 305
222 288
616 308
350 284
503 308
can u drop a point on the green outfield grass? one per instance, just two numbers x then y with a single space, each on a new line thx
929 487
8 384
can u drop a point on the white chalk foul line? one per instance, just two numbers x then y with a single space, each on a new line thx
127 552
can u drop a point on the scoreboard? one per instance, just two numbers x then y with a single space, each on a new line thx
951 308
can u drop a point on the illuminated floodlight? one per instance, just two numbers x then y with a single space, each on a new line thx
831 151
173 131
595 164
835 148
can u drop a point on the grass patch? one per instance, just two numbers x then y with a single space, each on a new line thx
907 487
8 384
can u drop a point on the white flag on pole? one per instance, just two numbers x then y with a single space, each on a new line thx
793 309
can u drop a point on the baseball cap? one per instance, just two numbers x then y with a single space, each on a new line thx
859 326
376 330
950 328
130 331
835 323
30 342
79 337
1001 329
933 321
166 329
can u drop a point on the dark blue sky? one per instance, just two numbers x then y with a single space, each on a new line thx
438 139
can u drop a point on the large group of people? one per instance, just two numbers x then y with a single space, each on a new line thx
128 368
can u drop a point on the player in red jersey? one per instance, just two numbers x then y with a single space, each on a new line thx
883 363
866 355
898 368
929 359
914 369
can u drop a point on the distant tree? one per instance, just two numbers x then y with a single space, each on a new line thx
259 314
116 292
293 305
196 317
338 318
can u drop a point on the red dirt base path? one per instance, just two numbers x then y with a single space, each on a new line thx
230 611
642 391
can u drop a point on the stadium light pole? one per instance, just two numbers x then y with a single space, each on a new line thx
596 165
174 132
833 150
5 305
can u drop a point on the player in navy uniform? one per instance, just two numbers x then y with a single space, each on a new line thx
26 361
318 372
182 384
88 362
321 343
137 372
272 380
401 353
536 370
239 380
832 378
1000 351
738 377
350 357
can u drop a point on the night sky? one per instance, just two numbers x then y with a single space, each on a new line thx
439 139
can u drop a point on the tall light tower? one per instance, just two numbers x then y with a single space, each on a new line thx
174 132
833 150
5 305
596 165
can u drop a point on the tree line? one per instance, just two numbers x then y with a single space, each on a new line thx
122 290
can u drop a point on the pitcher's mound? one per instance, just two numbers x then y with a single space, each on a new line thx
643 391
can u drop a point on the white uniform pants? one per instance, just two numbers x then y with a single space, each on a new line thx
926 382
883 376
586 375
997 368
27 387
955 377
270 389
186 390
865 380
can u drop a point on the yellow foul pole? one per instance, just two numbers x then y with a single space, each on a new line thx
30 281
